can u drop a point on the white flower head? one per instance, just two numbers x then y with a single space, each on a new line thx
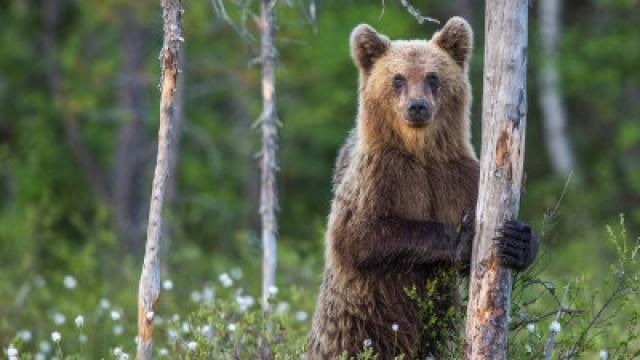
196 296
167 284
79 320
301 315
185 327
192 346
117 351
531 328
124 356
70 282
118 330
282 307
604 355
206 331
25 335
12 352
207 295
273 290
555 326
528 348
245 301
45 347
366 343
225 279
172 335
115 315
163 352
59 318
39 356
395 327
236 273
105 304
232 327
83 338
56 337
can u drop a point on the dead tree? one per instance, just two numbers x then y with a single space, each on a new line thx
554 113
503 129
269 124
149 290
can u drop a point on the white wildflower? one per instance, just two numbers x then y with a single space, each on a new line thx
282 307
301 315
185 327
56 336
105 304
604 355
59 318
124 356
25 335
366 343
167 284
232 327
70 282
12 352
225 279
39 281
236 273
172 335
79 320
395 327
528 348
206 331
555 326
196 296
207 295
83 338
117 351
531 328
175 317
273 290
39 356
118 330
245 302
192 345
163 352
115 315
45 347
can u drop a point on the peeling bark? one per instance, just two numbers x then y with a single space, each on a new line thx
503 135
149 290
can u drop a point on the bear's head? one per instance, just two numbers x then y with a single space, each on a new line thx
416 93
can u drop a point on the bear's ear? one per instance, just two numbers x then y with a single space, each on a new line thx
456 38
367 46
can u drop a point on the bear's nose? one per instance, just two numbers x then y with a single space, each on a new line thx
419 111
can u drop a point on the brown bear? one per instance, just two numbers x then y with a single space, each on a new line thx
402 181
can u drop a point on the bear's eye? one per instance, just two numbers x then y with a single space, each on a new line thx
398 81
433 82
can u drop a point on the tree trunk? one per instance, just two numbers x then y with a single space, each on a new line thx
554 114
130 150
503 130
149 290
269 123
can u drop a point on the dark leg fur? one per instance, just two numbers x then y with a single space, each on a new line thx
517 245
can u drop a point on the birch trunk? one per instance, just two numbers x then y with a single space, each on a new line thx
269 123
554 113
149 290
503 131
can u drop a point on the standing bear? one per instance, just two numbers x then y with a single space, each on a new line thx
402 182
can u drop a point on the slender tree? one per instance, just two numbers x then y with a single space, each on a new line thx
503 129
269 124
149 290
554 112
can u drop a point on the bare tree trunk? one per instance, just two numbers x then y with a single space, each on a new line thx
269 123
503 130
130 150
554 113
149 290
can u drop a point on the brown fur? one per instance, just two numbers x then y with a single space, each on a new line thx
399 193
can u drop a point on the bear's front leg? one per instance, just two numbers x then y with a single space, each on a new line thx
517 245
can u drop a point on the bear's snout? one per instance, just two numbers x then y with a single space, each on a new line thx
418 113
